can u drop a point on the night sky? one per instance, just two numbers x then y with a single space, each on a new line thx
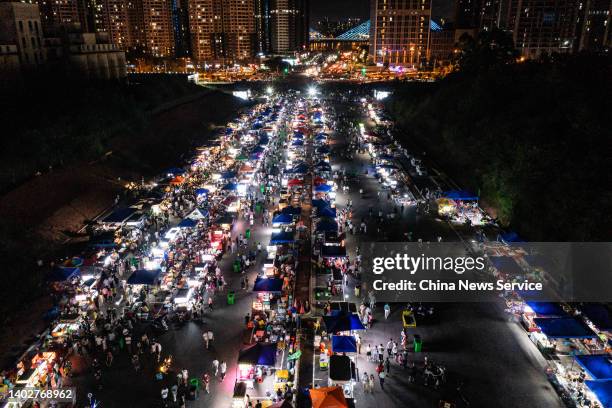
341 9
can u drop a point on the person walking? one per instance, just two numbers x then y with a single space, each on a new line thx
369 353
223 368
206 339
215 364
387 311
206 382
371 384
358 343
366 383
381 378
387 365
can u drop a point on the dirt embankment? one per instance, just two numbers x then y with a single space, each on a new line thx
57 203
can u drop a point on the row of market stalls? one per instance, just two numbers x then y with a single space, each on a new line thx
149 241
575 338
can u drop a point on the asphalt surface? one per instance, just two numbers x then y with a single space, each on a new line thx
479 346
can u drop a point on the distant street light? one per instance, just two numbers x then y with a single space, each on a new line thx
312 91
269 90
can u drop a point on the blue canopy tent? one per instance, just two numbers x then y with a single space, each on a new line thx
506 264
385 157
292 210
603 391
344 344
323 150
263 354
144 277
298 135
62 274
320 138
460 195
564 328
230 187
257 125
343 322
187 223
327 212
198 214
333 251
322 164
283 237
264 140
598 366
326 225
255 156
320 204
268 284
300 169
202 191
387 166
175 171
547 309
228 175
282 219
323 188
229 131
297 143
598 314
258 149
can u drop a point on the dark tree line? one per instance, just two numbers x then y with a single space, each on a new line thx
533 137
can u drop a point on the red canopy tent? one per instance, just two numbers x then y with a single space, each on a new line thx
319 180
295 182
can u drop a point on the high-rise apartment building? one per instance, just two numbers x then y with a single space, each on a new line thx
113 17
543 26
262 27
55 14
156 33
399 31
594 19
21 32
222 32
180 24
288 25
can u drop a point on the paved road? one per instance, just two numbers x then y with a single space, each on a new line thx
477 343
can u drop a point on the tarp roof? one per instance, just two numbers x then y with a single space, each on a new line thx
344 344
343 322
144 277
198 214
320 204
268 284
187 223
283 237
598 314
327 225
547 309
61 274
292 210
224 219
230 187
564 328
333 251
282 219
263 354
328 397
327 212
202 191
341 368
509 237
603 391
598 366
175 171
506 264
323 188
461 195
